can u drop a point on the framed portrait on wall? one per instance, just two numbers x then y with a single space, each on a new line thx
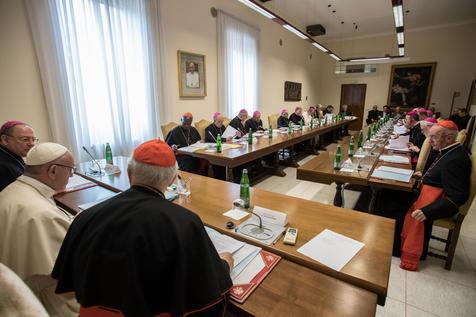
410 85
292 91
191 75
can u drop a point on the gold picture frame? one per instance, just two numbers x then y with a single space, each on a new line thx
410 85
191 75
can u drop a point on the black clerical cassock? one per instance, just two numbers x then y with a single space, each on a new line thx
182 137
283 122
254 125
294 118
212 131
142 255
11 166
236 123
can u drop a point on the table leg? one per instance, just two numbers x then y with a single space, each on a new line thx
373 200
338 195
229 174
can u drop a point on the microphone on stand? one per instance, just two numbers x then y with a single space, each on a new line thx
212 135
93 172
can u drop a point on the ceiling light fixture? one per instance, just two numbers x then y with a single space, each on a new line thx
335 57
370 59
322 48
292 29
257 8
400 38
398 15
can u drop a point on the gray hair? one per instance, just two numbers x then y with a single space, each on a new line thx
151 175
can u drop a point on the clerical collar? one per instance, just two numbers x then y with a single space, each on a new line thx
17 158
449 147
150 189
45 190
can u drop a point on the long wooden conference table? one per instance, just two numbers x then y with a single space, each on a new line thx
298 283
264 146
321 170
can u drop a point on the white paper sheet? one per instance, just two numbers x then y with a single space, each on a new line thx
331 249
393 173
242 258
400 129
94 203
394 159
223 243
400 142
236 214
250 271
229 132
76 181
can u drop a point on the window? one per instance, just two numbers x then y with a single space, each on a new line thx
238 50
106 59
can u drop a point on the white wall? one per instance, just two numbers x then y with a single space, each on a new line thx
452 47
21 94
189 26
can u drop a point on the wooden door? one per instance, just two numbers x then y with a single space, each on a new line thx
353 95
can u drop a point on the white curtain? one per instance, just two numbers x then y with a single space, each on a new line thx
100 67
238 65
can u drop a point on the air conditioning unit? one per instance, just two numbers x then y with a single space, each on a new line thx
344 68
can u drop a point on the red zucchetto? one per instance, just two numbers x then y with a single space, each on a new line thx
155 152
448 124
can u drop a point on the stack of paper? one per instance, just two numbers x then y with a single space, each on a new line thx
243 254
77 182
331 249
393 173
394 159
400 129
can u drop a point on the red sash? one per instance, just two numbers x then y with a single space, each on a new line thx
413 232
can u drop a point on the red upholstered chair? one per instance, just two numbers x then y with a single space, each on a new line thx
101 311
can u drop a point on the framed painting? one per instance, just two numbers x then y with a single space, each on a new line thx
292 91
410 85
191 75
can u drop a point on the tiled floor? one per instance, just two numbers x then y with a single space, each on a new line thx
433 291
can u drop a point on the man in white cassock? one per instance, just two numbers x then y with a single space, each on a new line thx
32 228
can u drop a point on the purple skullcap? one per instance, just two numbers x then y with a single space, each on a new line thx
256 113
216 115
10 124
431 120
283 111
243 111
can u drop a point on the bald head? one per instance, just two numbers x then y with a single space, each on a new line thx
441 137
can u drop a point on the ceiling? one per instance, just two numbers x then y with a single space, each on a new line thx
372 17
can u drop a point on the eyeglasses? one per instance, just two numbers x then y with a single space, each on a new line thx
72 168
25 139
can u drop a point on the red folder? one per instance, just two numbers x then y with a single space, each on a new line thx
241 292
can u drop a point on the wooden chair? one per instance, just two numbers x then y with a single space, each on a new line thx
201 126
461 136
423 156
454 223
226 121
273 120
166 128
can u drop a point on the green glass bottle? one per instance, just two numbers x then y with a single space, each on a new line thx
369 135
109 154
351 146
270 131
360 139
245 188
325 120
319 121
338 158
250 137
300 124
290 127
218 143
312 122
